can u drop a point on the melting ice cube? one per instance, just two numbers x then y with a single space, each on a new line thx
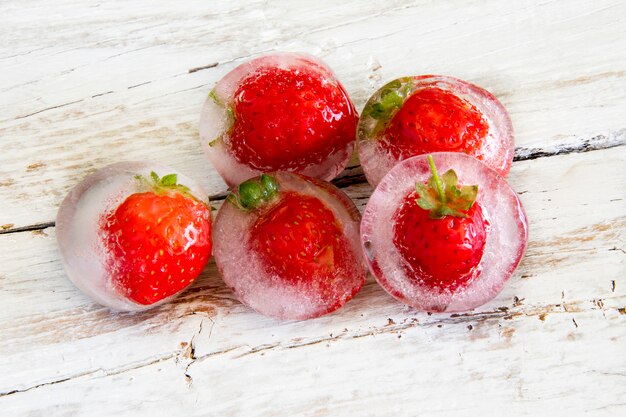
505 242
290 249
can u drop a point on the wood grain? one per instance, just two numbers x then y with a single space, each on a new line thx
116 86
573 326
85 84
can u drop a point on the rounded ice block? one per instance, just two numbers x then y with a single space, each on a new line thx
504 247
80 221
495 148
261 252
297 117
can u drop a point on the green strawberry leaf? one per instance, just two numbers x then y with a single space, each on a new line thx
166 183
441 196
169 180
183 189
269 186
391 99
215 98
230 117
449 178
428 198
250 194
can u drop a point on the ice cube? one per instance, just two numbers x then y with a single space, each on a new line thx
283 111
79 223
293 254
435 117
504 247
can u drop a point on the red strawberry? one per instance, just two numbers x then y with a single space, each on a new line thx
300 241
158 241
435 120
289 119
441 232
299 238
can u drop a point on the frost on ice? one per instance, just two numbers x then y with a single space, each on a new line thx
504 248
496 149
218 118
79 221
337 268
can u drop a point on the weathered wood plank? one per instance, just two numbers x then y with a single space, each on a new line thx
523 368
98 86
96 82
552 337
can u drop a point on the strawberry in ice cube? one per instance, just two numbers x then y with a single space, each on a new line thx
287 245
417 115
133 235
279 112
444 242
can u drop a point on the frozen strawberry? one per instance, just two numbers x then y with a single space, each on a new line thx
158 241
418 115
435 120
299 238
298 242
441 233
132 235
279 112
443 242
286 119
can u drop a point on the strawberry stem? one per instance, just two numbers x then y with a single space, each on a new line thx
433 169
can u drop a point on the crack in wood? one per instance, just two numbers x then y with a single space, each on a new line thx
135 50
504 313
22 54
104 372
192 352
465 319
203 67
598 142
58 381
102 94
48 108
130 87
30 228
169 94
595 143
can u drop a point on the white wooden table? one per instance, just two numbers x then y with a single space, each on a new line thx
84 84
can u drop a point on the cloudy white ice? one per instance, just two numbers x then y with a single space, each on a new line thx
243 271
497 150
506 239
215 119
77 227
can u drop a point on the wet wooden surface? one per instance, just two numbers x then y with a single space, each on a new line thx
85 84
